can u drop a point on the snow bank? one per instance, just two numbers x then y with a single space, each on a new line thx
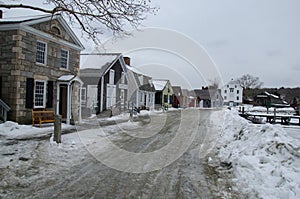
15 130
265 158
260 109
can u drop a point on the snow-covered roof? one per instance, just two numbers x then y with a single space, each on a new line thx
272 95
66 78
159 85
135 70
69 78
97 61
20 19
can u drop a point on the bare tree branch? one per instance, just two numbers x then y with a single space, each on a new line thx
94 16
248 81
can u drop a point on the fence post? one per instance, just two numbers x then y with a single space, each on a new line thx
274 115
57 129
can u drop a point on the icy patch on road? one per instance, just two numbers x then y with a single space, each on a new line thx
265 158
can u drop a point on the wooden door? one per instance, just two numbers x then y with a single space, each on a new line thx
63 101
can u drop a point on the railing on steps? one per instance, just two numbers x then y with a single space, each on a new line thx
4 108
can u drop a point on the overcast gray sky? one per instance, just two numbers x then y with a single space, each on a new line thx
259 37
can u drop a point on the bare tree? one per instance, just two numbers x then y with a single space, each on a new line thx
249 82
214 84
94 15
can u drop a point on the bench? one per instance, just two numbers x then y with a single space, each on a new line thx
42 116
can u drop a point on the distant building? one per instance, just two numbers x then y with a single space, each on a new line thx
177 102
232 94
269 100
164 93
185 98
208 98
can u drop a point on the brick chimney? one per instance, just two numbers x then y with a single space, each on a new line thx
127 60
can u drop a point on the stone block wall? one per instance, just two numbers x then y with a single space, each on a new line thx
17 63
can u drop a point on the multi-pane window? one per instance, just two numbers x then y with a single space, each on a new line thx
165 98
231 90
141 97
64 63
41 52
83 95
123 78
40 94
150 98
111 76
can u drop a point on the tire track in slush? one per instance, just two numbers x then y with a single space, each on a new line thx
184 178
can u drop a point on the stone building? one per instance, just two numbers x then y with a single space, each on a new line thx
39 63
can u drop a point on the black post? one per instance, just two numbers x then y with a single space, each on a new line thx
57 129
274 115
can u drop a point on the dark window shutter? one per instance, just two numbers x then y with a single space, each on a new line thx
29 93
49 95
0 87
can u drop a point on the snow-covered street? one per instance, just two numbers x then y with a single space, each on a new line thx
179 154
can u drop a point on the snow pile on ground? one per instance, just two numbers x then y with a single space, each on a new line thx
12 129
265 158
260 109
15 130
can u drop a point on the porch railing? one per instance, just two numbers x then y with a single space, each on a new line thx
4 108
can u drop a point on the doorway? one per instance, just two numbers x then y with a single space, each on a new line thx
63 101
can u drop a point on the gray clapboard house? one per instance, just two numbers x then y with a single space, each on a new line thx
141 91
105 83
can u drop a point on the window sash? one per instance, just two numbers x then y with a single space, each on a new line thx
111 76
40 94
64 63
83 95
123 78
41 52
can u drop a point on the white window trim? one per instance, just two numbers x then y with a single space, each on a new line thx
44 93
68 58
83 95
46 53
123 78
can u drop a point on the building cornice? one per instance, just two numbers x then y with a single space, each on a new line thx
26 26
